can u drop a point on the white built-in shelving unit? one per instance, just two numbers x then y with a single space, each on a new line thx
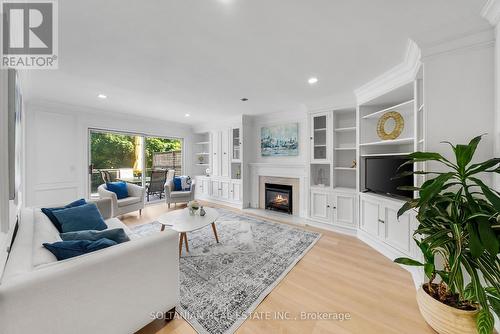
332 167
202 153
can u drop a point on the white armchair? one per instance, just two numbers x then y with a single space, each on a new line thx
175 197
134 201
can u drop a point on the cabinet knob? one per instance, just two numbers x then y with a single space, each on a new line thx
311 138
334 207
327 206
381 221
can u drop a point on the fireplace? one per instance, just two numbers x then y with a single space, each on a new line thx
279 198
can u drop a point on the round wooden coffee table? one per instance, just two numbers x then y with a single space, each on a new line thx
183 222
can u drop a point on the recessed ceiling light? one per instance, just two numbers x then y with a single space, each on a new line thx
244 99
102 96
312 80
187 115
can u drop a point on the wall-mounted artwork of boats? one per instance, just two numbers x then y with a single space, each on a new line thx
280 140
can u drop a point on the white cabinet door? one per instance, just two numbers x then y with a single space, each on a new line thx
225 155
397 232
216 153
344 209
320 206
224 189
369 220
205 187
215 189
320 137
236 191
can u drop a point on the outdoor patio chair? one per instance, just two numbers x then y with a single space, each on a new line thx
156 185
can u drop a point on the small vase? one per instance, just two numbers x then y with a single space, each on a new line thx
191 211
202 212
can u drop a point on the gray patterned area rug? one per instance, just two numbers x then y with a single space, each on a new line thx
221 284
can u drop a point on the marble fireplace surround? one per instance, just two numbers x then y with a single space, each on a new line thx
294 175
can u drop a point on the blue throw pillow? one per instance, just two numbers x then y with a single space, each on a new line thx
49 212
67 249
177 183
119 188
84 217
118 235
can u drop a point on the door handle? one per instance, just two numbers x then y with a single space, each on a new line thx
381 221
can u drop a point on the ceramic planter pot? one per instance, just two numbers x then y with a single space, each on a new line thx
445 319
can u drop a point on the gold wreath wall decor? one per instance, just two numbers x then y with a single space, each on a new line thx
398 128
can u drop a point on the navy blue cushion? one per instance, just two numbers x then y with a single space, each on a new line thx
118 235
49 212
79 218
177 183
67 249
119 188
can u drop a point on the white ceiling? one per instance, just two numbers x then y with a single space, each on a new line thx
165 58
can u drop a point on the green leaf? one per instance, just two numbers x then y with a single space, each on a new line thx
469 293
407 206
476 248
490 195
485 321
483 166
429 269
464 153
487 236
408 262
495 305
433 188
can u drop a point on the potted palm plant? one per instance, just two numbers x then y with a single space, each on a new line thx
458 234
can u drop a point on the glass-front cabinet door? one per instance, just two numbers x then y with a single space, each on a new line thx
320 137
236 145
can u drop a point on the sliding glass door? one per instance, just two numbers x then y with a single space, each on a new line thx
134 158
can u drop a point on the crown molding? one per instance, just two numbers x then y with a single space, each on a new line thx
467 41
491 11
398 76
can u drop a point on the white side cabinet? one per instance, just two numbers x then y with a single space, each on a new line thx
333 207
320 205
219 189
378 218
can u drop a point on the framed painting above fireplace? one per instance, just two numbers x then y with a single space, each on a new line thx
280 140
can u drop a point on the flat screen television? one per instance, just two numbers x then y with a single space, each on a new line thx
379 172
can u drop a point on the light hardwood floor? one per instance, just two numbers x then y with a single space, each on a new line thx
339 274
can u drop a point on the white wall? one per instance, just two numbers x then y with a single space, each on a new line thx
459 99
57 147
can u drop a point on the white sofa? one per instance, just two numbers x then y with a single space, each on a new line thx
113 290
135 201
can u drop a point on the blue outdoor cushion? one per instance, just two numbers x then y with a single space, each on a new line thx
84 217
119 188
177 183
49 212
118 235
67 249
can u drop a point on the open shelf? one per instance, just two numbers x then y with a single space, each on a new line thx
353 128
389 142
202 153
400 105
385 154
323 129
203 143
345 148
345 168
